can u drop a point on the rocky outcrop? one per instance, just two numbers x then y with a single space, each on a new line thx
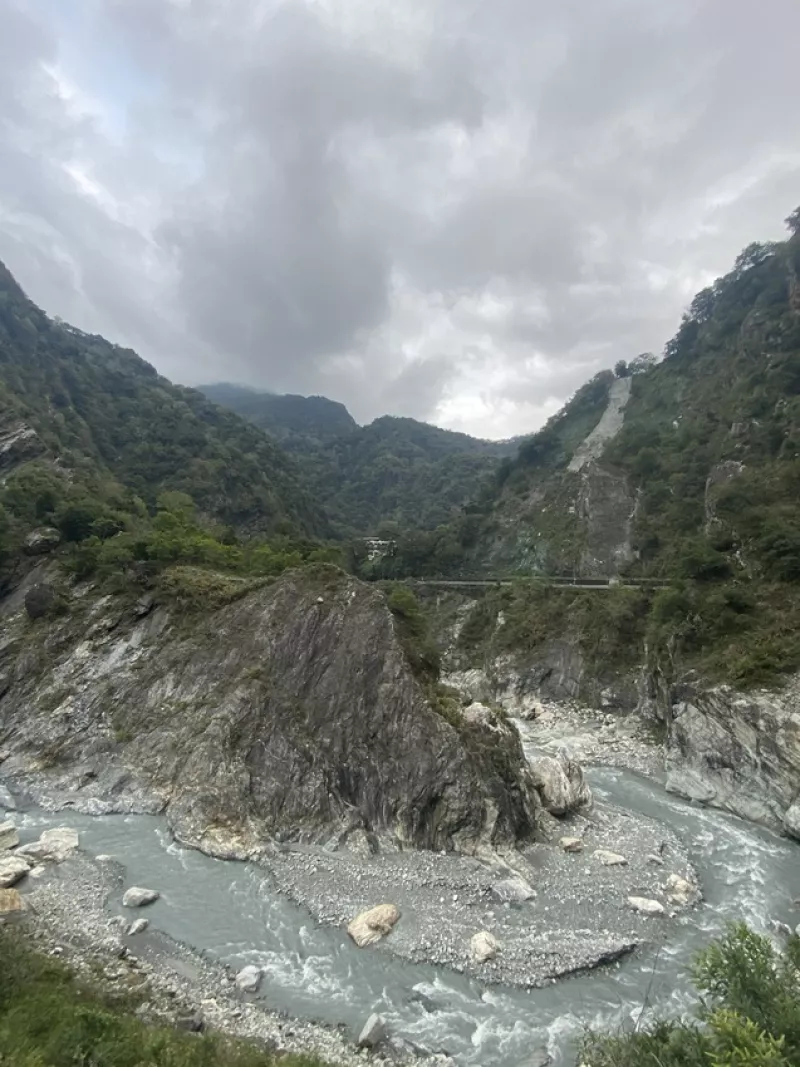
18 444
738 751
292 711
41 541
560 783
9 838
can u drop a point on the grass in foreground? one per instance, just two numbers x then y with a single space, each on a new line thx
51 1018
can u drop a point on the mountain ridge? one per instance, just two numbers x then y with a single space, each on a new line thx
394 470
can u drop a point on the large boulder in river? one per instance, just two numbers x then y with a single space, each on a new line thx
295 710
138 896
560 783
53 845
370 926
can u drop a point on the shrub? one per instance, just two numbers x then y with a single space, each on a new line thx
749 1014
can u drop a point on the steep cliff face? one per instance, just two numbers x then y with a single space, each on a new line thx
290 711
738 751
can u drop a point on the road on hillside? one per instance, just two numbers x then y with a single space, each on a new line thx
571 583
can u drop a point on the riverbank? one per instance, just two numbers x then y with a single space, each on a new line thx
65 916
229 912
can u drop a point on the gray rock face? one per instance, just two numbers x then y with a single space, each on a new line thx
138 926
513 889
53 845
9 838
13 869
249 979
740 752
137 896
373 1032
274 715
483 947
41 541
560 783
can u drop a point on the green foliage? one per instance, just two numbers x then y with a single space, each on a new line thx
749 1015
710 452
48 1018
394 471
414 633
105 419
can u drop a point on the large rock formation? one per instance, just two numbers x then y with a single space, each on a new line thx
738 751
291 711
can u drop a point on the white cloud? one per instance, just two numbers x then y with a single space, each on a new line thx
458 212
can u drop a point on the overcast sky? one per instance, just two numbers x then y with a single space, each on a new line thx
452 209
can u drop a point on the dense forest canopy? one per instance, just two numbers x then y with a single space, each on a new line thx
394 474
119 465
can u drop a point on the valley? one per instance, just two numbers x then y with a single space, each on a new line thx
553 733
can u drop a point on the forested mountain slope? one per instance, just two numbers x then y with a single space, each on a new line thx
686 469
701 458
101 455
91 402
395 471
300 423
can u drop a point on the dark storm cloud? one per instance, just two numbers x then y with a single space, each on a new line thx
453 210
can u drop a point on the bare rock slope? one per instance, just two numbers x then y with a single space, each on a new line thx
290 712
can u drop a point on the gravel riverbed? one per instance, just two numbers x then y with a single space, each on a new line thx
577 915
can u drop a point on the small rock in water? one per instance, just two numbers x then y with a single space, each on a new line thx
137 927
373 1032
571 844
679 890
137 896
10 901
483 947
12 870
249 979
9 838
370 926
657 860
610 859
646 906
